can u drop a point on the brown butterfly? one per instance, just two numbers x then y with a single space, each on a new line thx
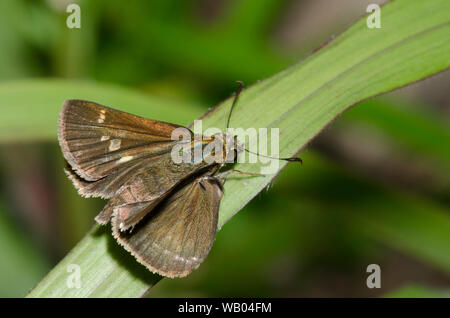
164 213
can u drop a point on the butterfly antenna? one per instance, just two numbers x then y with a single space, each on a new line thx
291 159
236 97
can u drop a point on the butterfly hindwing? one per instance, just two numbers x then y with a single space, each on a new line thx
176 237
146 187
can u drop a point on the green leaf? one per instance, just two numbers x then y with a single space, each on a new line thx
300 101
29 109
417 291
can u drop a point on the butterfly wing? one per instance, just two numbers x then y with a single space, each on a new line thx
96 139
148 184
117 155
176 237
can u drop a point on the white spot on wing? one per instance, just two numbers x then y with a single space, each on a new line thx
178 257
114 144
104 138
101 119
125 159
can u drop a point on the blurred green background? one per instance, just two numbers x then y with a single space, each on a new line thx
374 187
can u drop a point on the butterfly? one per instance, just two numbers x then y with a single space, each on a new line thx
163 212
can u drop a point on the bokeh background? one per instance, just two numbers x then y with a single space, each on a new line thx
374 187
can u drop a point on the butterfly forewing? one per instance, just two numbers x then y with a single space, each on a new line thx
96 139
176 237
